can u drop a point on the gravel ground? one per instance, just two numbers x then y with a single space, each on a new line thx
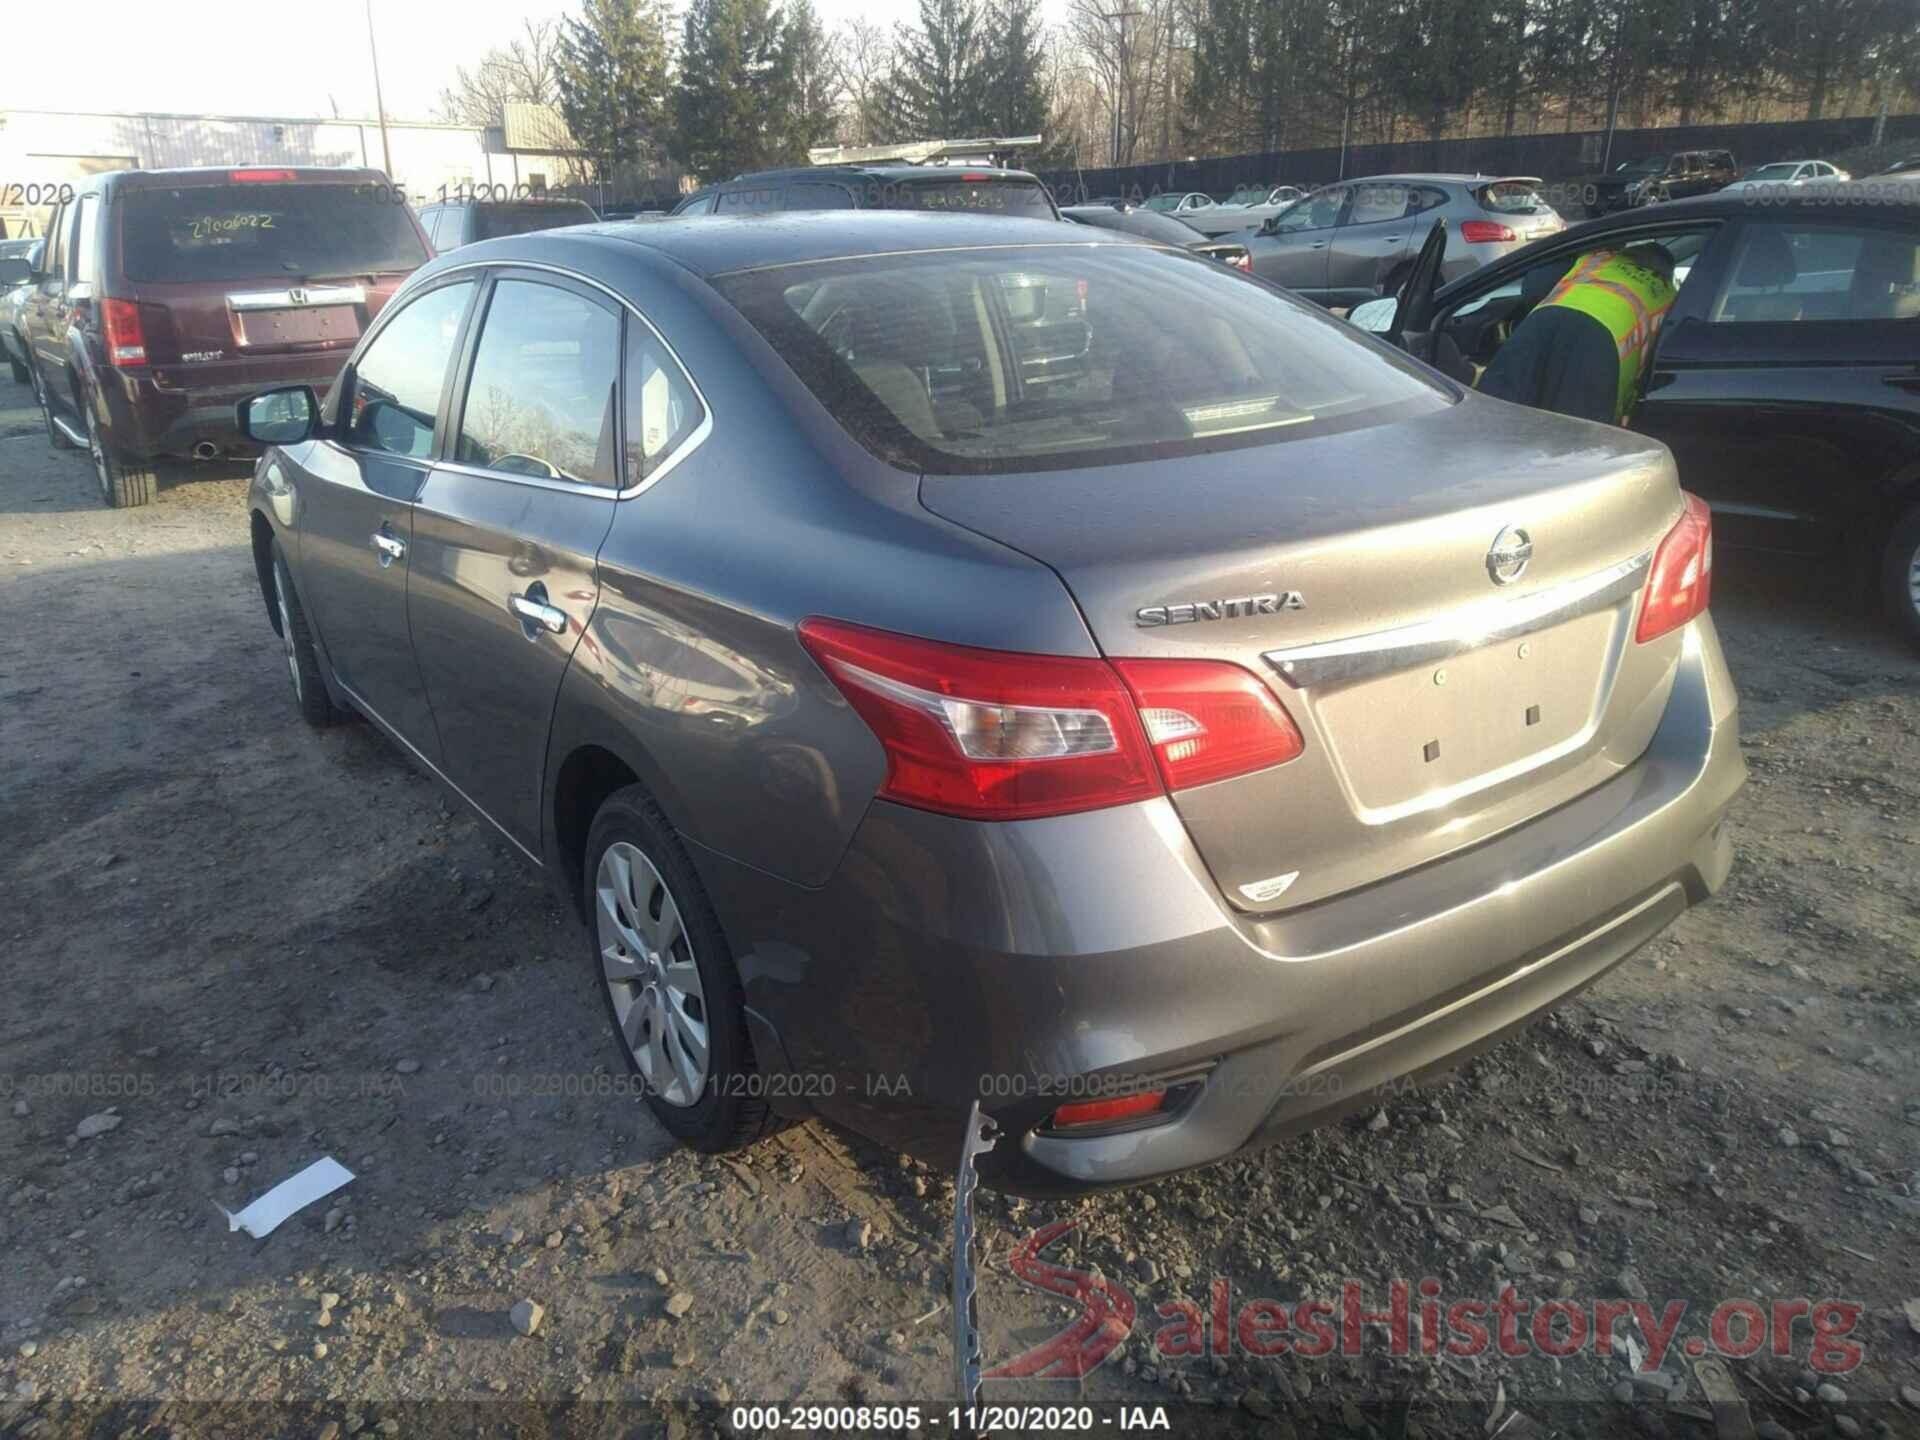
233 946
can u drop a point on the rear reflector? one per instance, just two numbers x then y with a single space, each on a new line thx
126 342
998 735
1485 232
246 176
1105 1112
1681 580
1208 720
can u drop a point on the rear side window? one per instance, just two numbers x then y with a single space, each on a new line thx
490 222
811 195
1822 272
1374 203
986 361
662 409
257 230
754 200
540 402
398 380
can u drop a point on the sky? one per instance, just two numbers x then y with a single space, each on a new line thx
273 57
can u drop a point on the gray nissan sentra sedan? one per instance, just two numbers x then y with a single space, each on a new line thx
1165 749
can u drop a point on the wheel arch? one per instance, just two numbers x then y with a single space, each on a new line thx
262 539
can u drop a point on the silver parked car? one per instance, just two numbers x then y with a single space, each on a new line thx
17 261
1248 213
1351 242
1164 756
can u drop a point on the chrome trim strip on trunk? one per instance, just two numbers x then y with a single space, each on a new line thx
298 298
1469 628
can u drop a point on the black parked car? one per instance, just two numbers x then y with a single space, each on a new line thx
1152 225
453 223
1787 375
1679 176
953 189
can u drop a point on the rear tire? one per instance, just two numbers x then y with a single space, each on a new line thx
1901 575
123 483
303 661
662 964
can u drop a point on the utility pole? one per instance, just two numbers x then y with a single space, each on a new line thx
379 103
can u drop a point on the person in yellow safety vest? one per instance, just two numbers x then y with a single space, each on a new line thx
1582 349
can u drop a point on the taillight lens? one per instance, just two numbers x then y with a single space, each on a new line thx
126 342
268 177
1208 720
1485 232
987 734
1681 581
996 735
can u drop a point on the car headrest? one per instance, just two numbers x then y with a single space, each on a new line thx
1886 278
1768 260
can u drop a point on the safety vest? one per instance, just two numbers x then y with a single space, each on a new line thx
1628 300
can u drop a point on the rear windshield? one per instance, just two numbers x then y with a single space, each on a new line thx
251 231
980 197
1512 197
492 221
984 361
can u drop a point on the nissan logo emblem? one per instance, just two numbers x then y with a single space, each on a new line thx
1507 559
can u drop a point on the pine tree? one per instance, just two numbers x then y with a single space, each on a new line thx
937 88
814 116
1015 98
734 102
613 80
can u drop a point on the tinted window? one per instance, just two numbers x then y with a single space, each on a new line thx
1513 197
1144 223
983 361
750 201
1375 203
1816 272
492 221
86 239
397 383
662 410
541 398
702 206
810 195
982 197
251 231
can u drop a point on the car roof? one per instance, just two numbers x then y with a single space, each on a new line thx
219 174
522 200
711 245
879 172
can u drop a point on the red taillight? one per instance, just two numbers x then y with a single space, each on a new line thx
251 176
126 342
1105 1112
994 735
1681 581
1485 232
975 175
1208 720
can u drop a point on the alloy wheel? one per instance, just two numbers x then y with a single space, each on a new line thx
647 963
286 631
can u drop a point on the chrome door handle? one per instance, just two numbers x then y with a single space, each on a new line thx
536 611
390 546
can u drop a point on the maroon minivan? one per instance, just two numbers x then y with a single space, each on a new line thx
165 297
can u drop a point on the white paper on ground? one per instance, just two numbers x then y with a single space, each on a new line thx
263 1216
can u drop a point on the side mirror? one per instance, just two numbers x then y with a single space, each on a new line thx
280 417
35 254
1375 316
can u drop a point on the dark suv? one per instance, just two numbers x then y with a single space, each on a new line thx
954 189
1679 176
163 297
452 223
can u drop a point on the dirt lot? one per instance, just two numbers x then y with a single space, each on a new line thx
248 946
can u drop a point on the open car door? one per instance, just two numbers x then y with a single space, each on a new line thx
1412 327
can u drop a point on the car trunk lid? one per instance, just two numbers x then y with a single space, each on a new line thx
1355 574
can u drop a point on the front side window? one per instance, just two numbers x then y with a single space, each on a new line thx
1821 272
1319 211
752 200
662 409
490 222
984 361
540 402
398 380
811 195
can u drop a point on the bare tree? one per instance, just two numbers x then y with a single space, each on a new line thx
865 52
525 70
1124 45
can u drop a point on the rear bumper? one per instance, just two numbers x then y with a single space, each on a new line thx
1019 964
166 411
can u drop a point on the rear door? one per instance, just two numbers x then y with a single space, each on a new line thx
355 506
507 530
258 275
1795 390
1370 241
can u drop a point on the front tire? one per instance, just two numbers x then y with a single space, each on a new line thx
122 484
664 968
303 661
1901 575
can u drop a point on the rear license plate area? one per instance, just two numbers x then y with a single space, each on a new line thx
300 326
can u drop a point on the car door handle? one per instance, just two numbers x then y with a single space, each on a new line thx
532 607
390 546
